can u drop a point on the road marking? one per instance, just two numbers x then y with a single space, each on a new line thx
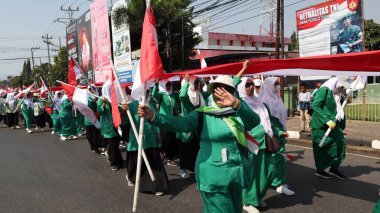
358 155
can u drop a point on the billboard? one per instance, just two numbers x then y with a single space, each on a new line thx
84 45
101 44
121 47
332 27
72 40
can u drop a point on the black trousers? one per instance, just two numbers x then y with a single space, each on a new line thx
114 152
188 154
93 136
11 119
41 120
169 144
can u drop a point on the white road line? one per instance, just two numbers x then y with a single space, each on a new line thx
358 155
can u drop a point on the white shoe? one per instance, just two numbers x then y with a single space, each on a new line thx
52 132
284 189
28 131
250 209
18 127
63 138
263 204
183 173
42 129
130 184
159 193
36 127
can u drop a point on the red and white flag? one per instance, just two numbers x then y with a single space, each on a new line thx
25 91
74 74
358 83
79 97
201 59
43 88
253 145
114 103
150 67
289 157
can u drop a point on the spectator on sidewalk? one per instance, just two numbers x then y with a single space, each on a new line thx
304 98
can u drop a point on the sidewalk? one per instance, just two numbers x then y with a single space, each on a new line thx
358 133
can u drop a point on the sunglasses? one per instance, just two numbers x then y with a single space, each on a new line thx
276 83
248 85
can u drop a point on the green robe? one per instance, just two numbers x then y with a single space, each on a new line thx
151 132
79 122
278 160
92 105
107 128
377 207
28 114
333 151
186 108
220 182
164 100
67 120
57 128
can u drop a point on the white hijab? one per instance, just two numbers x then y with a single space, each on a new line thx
274 102
57 101
29 103
162 87
106 92
257 106
195 96
10 98
333 84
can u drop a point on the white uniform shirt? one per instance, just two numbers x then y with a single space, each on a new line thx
304 97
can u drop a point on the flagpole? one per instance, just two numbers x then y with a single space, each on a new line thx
336 117
140 141
133 125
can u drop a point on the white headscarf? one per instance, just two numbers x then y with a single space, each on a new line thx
257 106
10 98
57 101
274 102
333 84
29 103
106 92
162 87
257 83
195 96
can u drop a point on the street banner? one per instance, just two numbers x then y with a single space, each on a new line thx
101 43
121 47
72 40
333 27
85 45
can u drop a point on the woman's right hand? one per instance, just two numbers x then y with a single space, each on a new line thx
145 112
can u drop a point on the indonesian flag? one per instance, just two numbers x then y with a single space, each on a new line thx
358 83
289 157
114 103
74 74
253 145
202 60
80 98
23 86
25 91
150 67
43 88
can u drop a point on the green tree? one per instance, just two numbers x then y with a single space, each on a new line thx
16 81
372 35
168 15
294 40
40 72
59 68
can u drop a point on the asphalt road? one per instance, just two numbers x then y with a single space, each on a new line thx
39 173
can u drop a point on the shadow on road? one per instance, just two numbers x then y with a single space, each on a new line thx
308 186
178 184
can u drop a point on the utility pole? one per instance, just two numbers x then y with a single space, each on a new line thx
278 20
70 13
282 30
48 43
31 50
183 47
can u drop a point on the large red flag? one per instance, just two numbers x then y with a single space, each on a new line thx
114 103
150 66
74 73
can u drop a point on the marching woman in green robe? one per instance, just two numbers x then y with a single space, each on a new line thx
326 105
191 98
110 135
223 166
67 120
151 146
262 172
27 110
56 105
168 100
269 95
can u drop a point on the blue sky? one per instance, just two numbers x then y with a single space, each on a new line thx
23 22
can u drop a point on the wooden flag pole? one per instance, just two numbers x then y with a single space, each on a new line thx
140 140
133 125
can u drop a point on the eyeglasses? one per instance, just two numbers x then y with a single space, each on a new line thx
276 83
248 85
